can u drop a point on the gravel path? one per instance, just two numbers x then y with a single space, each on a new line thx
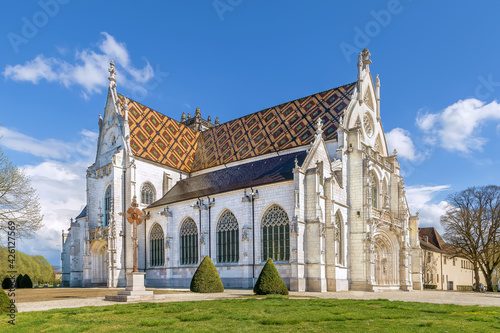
425 296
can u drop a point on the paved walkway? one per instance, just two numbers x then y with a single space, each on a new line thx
425 296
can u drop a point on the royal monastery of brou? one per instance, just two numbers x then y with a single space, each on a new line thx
309 183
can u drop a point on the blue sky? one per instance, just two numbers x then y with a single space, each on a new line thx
437 61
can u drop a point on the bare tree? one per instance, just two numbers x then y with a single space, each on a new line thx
472 227
18 201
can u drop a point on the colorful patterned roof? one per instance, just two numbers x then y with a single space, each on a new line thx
281 127
159 138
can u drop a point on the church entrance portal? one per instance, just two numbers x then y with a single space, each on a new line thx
99 262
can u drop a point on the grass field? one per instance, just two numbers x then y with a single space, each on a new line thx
271 314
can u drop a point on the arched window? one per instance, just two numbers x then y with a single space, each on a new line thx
189 242
157 249
275 235
147 194
107 205
227 238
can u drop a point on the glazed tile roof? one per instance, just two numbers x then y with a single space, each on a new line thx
277 128
159 138
270 170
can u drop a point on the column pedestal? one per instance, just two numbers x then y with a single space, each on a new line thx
135 289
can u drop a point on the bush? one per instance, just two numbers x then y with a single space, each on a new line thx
269 281
7 283
5 303
464 288
26 282
18 280
206 279
430 286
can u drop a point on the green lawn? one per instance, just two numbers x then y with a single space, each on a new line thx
272 314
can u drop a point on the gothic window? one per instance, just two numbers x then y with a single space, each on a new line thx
275 235
147 194
157 249
189 242
227 238
107 205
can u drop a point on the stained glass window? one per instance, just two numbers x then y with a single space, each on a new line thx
189 242
227 238
157 248
275 235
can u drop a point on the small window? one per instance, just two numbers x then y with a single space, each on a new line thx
147 194
107 206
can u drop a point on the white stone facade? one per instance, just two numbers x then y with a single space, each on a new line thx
348 219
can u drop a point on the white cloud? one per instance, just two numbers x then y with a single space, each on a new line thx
89 69
400 140
59 181
457 128
421 199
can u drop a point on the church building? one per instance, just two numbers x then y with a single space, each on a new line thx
309 183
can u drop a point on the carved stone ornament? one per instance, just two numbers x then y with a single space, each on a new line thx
322 230
368 125
294 229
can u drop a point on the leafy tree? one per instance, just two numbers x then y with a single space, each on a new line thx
37 267
206 279
18 201
269 281
472 227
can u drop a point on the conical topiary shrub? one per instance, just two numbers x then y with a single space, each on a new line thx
269 281
7 283
206 279
26 282
18 281
5 304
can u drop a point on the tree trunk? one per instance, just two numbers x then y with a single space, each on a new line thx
476 278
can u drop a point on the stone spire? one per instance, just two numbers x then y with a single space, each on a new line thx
366 59
112 73
319 125
377 96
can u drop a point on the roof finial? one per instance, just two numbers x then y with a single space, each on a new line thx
183 117
366 59
197 113
189 115
209 119
217 121
112 72
319 125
